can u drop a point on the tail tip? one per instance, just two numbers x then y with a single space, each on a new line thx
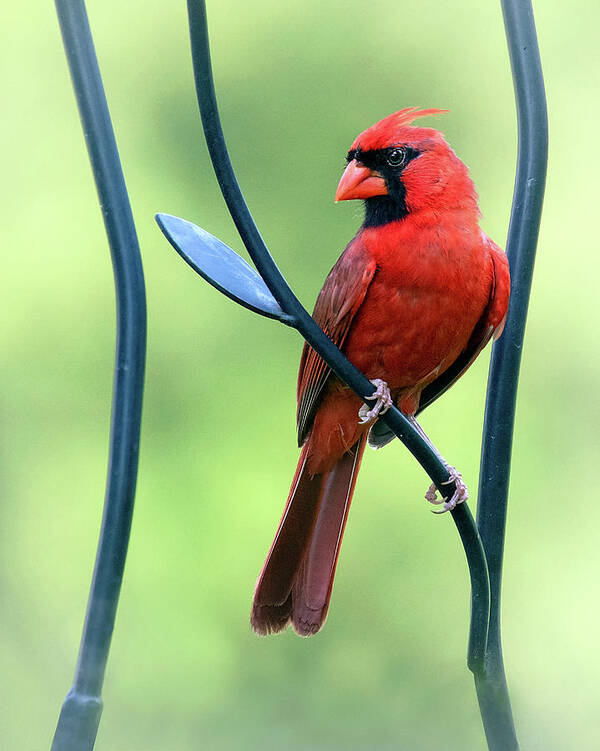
269 619
307 622
272 619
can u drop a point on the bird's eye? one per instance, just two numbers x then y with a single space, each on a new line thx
395 157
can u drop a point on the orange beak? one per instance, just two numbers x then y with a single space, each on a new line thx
359 182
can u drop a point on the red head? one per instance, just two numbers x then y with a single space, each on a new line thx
399 169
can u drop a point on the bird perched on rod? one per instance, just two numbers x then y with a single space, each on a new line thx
412 301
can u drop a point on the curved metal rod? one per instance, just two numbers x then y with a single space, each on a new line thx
304 323
530 181
80 714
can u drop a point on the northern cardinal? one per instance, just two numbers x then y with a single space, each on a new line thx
412 301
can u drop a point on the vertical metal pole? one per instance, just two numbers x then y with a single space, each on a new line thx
80 715
530 181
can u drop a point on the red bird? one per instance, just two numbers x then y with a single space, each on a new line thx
412 301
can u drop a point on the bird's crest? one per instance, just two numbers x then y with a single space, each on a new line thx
385 131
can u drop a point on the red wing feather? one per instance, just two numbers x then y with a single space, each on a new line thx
490 324
339 300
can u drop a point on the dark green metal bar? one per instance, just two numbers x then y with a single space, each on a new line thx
530 181
80 714
304 323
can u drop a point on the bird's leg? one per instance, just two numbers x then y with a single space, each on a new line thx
460 494
383 401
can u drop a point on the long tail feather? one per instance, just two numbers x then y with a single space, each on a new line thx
272 606
297 577
313 585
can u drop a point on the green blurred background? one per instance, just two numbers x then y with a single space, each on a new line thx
296 82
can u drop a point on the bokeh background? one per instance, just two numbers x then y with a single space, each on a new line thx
296 81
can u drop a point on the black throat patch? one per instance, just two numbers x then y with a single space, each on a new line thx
380 210
383 209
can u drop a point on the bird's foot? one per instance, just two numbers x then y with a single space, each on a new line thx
460 494
383 401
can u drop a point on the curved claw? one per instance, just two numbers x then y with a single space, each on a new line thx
431 495
460 495
383 401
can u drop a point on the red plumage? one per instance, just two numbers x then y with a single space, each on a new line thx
413 299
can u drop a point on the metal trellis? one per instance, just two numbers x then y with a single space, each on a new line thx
269 294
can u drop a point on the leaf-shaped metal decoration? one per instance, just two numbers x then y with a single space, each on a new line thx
220 266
